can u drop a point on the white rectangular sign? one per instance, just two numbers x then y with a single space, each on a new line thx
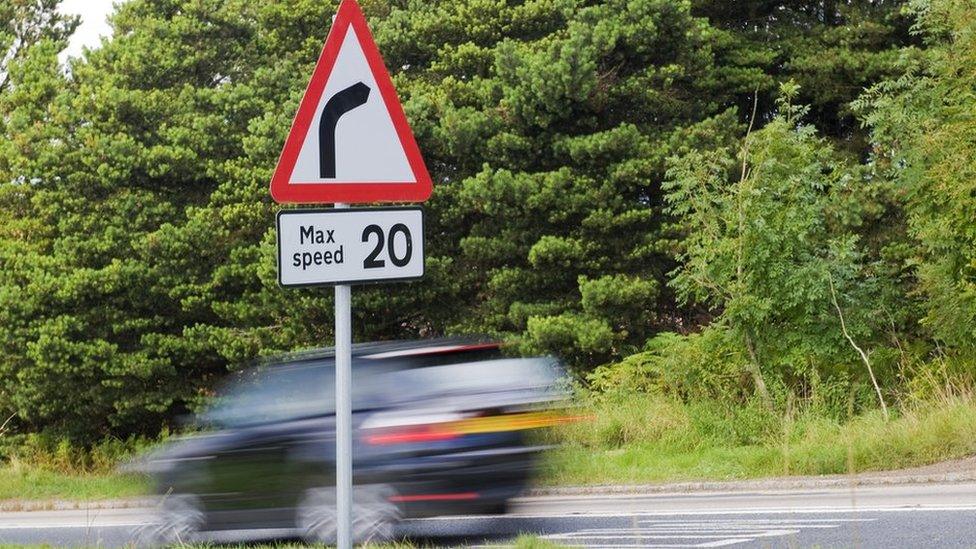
346 246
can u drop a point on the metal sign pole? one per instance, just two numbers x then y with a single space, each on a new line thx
308 251
343 413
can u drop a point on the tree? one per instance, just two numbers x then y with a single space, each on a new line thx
542 228
138 254
562 126
832 49
26 23
761 249
31 34
114 153
923 130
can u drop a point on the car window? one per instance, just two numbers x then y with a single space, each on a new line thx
273 394
286 392
516 374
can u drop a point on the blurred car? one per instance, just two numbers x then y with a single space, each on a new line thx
440 427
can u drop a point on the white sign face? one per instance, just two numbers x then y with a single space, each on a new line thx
360 133
344 246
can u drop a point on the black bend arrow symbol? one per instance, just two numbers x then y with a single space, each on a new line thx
340 103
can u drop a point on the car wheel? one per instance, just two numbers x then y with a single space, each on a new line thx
498 508
317 515
177 520
373 514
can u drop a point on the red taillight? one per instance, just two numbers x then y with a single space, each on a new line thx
456 425
412 434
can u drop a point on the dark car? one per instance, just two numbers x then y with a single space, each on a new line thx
440 427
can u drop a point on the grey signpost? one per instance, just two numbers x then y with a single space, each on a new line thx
343 411
350 143
339 246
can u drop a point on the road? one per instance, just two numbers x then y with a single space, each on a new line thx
925 515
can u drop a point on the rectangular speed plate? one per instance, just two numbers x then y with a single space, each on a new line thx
347 246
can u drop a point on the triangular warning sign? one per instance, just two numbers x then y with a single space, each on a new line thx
350 141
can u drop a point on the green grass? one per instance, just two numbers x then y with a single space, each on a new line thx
645 439
42 468
20 483
641 438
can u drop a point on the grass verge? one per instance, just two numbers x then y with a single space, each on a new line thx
42 468
643 438
21 483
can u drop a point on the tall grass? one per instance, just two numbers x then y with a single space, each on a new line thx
38 467
42 452
19 484
642 437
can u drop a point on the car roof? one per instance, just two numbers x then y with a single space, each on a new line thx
379 350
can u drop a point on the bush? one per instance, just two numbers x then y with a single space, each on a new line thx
704 365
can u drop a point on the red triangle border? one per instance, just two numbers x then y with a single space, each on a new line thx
354 192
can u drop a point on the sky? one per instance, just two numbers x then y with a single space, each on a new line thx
93 23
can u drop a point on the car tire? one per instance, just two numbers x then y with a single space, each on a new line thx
374 515
177 520
498 508
317 515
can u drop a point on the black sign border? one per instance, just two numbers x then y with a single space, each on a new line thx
290 211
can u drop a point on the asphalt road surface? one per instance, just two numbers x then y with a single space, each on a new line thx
924 515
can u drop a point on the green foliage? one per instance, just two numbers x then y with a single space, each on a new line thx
137 254
758 246
101 163
832 49
925 129
138 257
569 117
699 366
25 24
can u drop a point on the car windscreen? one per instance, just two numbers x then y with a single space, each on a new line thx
287 392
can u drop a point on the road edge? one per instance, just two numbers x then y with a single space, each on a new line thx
768 484
960 469
783 483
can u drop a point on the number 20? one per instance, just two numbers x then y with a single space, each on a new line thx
371 261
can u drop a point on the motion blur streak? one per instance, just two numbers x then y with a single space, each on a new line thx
437 497
454 429
443 427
